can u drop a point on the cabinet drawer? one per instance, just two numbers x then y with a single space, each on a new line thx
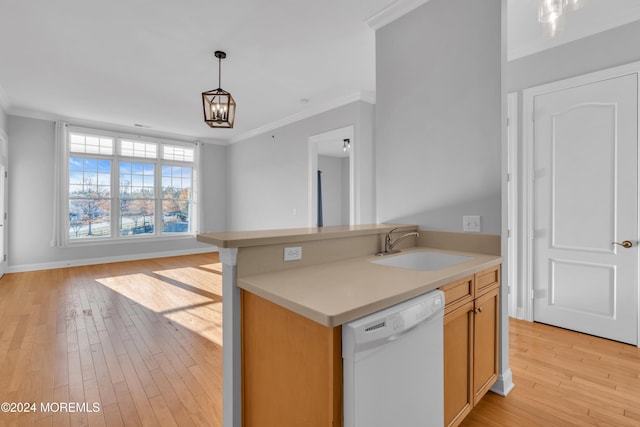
457 293
486 280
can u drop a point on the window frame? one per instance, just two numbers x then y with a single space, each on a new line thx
91 156
116 158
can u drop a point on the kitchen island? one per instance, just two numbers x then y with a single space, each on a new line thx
282 319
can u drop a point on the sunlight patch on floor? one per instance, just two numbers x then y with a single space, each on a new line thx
215 267
179 295
194 277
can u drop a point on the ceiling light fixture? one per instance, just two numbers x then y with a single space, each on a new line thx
549 10
550 13
574 4
218 104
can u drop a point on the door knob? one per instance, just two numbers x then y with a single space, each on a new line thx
625 244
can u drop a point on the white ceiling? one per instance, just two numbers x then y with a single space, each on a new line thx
144 62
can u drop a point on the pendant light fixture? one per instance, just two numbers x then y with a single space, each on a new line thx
551 13
549 10
218 104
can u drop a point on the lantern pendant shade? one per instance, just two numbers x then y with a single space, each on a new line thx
218 105
219 108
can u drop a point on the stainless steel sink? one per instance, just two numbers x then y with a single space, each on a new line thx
422 261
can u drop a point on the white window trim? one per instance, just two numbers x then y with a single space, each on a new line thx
60 235
61 186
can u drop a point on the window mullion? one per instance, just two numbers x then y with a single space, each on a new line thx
115 195
158 193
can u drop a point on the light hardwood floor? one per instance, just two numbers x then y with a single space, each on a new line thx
141 339
564 378
144 340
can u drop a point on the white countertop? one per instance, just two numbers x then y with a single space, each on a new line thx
338 292
242 239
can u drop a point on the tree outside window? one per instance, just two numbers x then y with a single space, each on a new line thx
117 187
89 197
176 197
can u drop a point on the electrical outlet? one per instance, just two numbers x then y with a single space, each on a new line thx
293 253
471 223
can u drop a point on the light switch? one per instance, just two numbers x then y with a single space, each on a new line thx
471 223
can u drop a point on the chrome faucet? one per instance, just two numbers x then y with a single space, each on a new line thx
389 243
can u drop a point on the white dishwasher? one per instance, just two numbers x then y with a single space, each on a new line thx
393 365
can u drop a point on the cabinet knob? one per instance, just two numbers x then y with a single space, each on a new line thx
478 310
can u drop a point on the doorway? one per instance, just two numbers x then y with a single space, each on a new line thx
581 198
333 154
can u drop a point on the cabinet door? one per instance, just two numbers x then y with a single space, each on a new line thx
457 293
485 343
291 368
486 280
458 364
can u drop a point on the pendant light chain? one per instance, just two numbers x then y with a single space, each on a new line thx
219 72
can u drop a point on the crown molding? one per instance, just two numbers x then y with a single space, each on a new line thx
392 12
368 97
112 127
365 96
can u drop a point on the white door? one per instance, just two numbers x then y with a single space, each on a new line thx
585 198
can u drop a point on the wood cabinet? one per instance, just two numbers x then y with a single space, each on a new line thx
485 343
458 364
291 368
471 335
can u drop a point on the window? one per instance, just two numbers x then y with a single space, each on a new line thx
91 144
121 188
137 198
138 149
176 194
89 197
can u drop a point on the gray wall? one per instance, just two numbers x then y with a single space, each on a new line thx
334 210
214 177
344 191
31 154
268 184
438 116
3 120
608 49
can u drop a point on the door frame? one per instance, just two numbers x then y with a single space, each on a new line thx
314 140
528 168
4 162
512 203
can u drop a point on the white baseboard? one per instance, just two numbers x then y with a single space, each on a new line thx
519 314
106 260
505 384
